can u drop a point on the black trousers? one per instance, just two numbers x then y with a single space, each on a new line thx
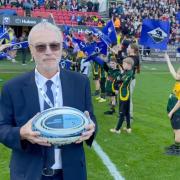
124 112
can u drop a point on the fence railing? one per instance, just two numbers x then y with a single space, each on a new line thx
147 54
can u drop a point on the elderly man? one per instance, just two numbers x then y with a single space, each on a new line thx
24 96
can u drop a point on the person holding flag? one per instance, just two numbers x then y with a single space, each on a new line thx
173 109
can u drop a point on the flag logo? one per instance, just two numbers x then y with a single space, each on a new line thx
158 35
16 46
109 30
6 20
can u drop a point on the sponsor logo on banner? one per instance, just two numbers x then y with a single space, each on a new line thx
6 20
18 21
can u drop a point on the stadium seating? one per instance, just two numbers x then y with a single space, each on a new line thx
60 16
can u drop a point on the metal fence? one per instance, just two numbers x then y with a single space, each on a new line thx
157 55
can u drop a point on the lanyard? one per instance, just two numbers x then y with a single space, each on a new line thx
45 97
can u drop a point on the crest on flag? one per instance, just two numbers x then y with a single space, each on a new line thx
158 35
155 34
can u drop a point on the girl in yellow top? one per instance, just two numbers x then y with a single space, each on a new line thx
173 109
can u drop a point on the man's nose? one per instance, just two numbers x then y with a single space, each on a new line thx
48 50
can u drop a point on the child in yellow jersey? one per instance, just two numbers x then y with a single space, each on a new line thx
173 109
123 84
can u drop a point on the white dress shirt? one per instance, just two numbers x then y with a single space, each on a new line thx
56 83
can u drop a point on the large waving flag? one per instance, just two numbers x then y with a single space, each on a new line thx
102 36
91 48
101 48
110 31
19 45
155 34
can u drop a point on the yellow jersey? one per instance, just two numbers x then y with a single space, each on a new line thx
176 90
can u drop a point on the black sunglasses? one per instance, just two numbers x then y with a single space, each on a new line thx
41 48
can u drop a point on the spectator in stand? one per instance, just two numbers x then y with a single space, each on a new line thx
89 6
51 4
36 4
79 19
100 24
28 7
96 6
64 6
117 23
131 14
74 5
82 6
13 3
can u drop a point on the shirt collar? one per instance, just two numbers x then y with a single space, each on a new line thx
42 80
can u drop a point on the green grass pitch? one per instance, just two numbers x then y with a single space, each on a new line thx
139 155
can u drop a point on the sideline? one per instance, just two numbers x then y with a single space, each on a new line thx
107 162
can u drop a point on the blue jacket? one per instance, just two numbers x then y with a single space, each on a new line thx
19 102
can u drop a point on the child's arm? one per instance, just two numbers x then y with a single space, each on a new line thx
171 68
175 108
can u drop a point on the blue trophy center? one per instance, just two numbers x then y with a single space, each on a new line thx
64 121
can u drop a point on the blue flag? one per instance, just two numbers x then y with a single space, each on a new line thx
102 36
110 31
155 34
101 48
66 30
81 44
19 45
65 64
178 17
4 35
5 55
91 48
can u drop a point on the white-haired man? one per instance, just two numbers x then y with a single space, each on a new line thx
23 97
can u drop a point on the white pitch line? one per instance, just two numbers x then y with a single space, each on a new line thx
107 162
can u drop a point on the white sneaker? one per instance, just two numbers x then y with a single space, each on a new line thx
98 98
102 100
129 130
13 60
115 131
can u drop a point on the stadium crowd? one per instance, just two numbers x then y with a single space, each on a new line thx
128 17
70 5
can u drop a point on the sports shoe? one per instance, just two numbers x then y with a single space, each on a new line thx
115 131
173 146
14 61
102 100
175 152
129 130
98 98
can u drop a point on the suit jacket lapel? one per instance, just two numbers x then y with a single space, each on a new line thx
30 93
66 90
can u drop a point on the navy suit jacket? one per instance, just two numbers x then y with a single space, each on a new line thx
19 102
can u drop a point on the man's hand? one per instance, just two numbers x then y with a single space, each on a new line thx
26 133
90 128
